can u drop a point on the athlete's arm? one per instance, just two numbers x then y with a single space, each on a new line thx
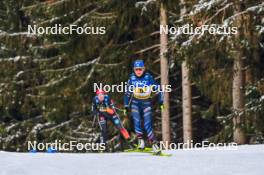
128 94
158 89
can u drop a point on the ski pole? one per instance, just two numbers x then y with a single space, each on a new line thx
95 116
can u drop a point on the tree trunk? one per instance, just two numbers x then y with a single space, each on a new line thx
186 97
164 76
186 104
238 93
238 99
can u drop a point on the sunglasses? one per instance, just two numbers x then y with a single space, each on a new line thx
139 69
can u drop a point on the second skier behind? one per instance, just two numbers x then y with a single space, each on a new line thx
103 108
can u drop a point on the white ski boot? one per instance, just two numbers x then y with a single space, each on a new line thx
141 144
156 149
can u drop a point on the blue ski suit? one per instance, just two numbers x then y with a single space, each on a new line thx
99 108
138 97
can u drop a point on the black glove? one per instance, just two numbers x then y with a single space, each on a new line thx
125 110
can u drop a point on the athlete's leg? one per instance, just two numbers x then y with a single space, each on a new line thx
103 128
148 126
147 115
117 123
135 111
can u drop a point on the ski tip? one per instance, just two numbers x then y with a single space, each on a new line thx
162 154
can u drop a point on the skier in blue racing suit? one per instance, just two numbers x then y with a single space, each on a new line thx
140 87
103 107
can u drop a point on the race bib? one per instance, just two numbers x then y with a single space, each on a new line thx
142 92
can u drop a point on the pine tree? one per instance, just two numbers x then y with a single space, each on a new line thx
186 95
210 59
164 69
238 85
46 81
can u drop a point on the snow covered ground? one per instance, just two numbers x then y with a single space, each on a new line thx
246 160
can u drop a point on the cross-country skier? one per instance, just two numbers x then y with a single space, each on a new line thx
140 87
104 109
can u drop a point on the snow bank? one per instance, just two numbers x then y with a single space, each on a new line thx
247 160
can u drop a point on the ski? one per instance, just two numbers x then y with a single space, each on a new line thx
162 154
149 151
